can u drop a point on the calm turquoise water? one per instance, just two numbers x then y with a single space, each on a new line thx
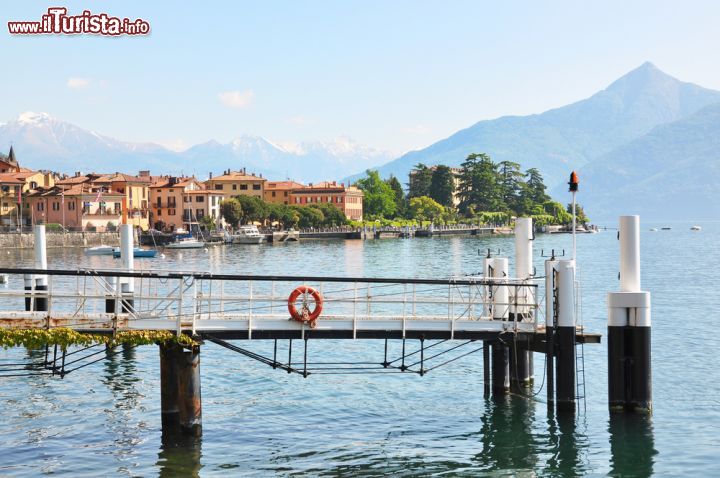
105 419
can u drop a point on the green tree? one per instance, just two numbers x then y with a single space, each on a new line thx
419 181
579 213
208 222
400 200
424 208
557 210
442 186
379 200
480 185
535 186
332 215
253 208
511 179
231 211
310 216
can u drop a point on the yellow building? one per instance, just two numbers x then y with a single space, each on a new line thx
15 184
237 183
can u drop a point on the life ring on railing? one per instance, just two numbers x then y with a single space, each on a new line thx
305 314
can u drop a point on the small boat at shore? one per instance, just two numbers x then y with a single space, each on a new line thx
186 243
99 251
696 228
666 228
247 235
137 253
654 229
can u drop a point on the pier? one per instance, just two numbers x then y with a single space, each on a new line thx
425 323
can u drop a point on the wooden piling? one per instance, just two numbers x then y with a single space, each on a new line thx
180 391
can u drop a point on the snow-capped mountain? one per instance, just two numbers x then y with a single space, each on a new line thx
43 142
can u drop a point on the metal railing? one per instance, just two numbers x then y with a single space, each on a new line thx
189 301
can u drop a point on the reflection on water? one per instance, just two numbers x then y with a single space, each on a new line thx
179 455
506 434
632 445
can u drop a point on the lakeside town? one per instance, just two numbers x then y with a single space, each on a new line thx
480 192
100 202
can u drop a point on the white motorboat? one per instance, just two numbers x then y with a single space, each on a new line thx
100 251
186 243
247 235
696 228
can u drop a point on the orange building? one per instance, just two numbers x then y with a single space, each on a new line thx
181 201
348 199
278 192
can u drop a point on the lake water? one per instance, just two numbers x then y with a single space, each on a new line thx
105 418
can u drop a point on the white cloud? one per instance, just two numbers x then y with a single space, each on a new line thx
236 99
78 83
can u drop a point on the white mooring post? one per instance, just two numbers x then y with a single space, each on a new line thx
496 269
521 358
39 282
629 337
550 327
127 284
565 390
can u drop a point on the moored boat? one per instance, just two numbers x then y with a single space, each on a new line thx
696 228
99 251
137 253
247 235
186 243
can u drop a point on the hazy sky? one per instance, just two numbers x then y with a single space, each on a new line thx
395 75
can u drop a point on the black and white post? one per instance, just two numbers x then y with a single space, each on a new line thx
565 378
127 284
629 338
37 283
496 270
521 360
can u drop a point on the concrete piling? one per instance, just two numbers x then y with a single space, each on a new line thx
180 391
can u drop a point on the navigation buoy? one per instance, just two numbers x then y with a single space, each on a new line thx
305 314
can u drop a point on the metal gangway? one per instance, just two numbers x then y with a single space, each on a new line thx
256 306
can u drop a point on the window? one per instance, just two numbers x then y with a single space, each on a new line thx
171 212
200 213
159 212
273 194
218 187
6 189
213 200
55 206
40 206
243 187
234 187
286 194
199 198
297 200
71 206
256 187
159 202
172 191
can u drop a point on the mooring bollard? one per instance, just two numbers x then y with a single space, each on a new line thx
550 327
38 282
127 284
496 269
629 329
521 364
566 392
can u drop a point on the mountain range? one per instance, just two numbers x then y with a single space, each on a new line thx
648 144
41 141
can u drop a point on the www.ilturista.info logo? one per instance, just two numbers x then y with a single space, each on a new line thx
58 22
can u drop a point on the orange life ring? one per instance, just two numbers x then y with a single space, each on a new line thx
305 315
